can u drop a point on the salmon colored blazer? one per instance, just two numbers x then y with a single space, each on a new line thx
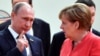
89 46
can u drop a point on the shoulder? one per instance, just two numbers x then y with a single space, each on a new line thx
95 39
2 37
96 32
67 40
92 36
59 35
5 24
38 20
58 38
2 33
95 45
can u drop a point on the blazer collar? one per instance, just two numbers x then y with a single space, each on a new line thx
9 37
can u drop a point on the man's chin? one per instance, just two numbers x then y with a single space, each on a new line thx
26 31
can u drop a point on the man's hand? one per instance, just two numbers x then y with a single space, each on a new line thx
22 42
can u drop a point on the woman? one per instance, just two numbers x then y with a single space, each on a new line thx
76 24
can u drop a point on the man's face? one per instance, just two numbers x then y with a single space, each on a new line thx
92 10
23 19
16 1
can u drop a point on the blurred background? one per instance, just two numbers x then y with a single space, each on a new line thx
48 10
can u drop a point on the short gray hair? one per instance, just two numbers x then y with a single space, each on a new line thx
18 5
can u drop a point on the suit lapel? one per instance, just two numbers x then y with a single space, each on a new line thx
31 43
9 38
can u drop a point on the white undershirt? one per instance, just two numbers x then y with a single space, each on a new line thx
14 34
30 32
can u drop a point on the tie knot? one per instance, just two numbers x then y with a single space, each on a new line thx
18 37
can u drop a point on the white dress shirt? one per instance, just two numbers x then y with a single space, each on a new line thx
30 32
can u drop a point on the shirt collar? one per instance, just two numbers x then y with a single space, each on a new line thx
30 32
14 34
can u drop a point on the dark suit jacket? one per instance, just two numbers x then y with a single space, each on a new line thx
8 45
41 30
57 42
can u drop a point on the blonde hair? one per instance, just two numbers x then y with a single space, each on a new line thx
78 12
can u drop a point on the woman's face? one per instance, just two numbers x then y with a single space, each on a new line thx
67 26
92 10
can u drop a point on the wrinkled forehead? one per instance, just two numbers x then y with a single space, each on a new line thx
26 10
16 1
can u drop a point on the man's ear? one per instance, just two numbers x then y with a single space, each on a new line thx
76 25
12 15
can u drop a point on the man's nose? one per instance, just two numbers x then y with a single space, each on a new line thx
28 24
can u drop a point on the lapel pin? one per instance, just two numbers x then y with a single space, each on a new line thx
31 39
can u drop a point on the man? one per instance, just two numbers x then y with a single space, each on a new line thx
59 37
39 28
13 40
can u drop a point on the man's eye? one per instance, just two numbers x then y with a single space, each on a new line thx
25 18
31 20
63 22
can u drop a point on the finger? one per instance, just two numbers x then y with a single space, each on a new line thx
21 35
26 43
